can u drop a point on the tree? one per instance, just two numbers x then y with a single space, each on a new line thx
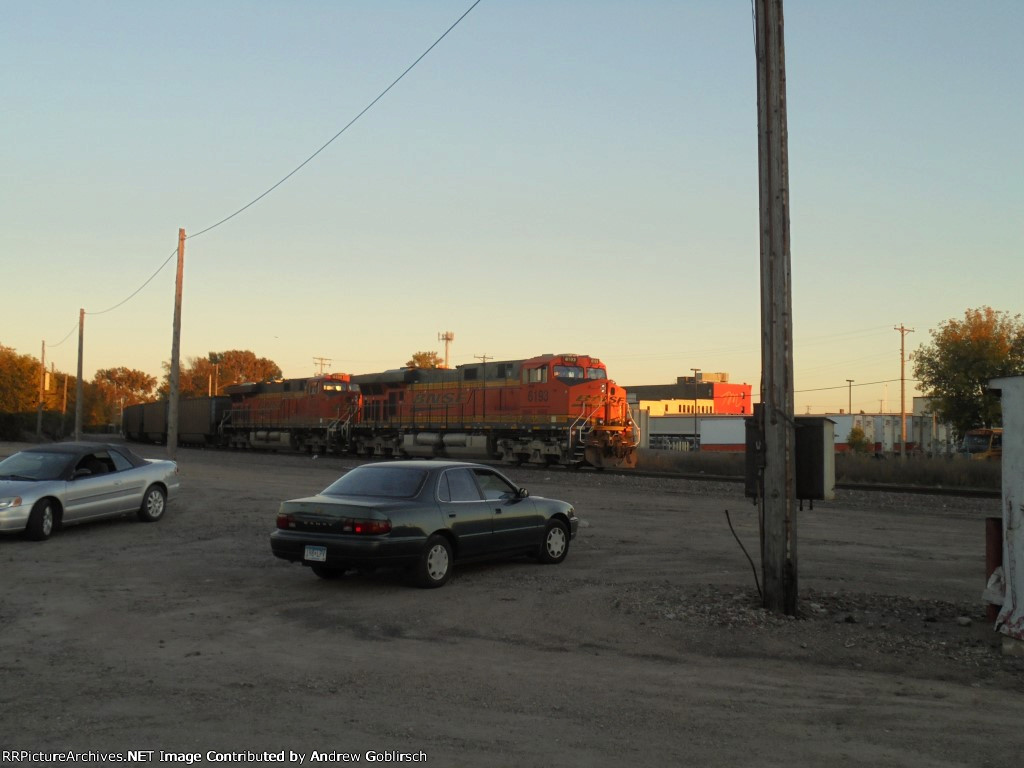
425 360
964 355
858 441
114 388
19 381
200 376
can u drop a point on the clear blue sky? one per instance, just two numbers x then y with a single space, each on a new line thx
552 177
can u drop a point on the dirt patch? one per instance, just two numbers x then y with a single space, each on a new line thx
647 646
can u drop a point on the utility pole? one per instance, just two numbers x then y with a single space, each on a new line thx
447 337
695 372
42 392
849 397
322 363
175 375
903 388
483 410
79 396
779 554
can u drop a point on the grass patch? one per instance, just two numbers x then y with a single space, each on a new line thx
927 472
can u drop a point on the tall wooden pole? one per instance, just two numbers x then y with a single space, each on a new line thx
42 392
79 389
175 374
779 558
903 387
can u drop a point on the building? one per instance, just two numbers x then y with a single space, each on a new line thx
707 393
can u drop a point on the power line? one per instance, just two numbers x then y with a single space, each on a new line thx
136 291
293 172
844 386
347 126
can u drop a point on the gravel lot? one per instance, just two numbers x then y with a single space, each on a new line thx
646 647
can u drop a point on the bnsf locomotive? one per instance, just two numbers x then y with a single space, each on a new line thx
551 409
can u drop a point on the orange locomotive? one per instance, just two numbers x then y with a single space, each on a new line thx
311 415
551 409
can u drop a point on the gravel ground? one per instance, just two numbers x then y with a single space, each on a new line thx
646 647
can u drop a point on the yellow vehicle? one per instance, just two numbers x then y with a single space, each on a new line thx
983 444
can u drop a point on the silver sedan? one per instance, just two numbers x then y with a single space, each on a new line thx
48 486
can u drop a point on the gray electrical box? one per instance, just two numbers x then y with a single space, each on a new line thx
815 460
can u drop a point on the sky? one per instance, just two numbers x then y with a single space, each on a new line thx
554 176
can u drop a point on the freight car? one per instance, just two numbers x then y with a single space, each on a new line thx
550 409
199 421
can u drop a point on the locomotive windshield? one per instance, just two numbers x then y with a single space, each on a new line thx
597 373
568 372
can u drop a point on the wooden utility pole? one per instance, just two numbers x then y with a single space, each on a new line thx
779 555
903 387
175 374
42 392
483 409
79 390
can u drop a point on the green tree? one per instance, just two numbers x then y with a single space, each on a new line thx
200 376
858 441
425 360
19 381
963 356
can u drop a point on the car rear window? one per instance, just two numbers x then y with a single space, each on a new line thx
384 482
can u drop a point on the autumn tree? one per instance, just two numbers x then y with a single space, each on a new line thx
19 381
963 357
114 388
200 376
425 360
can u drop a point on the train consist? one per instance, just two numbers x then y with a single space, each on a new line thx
550 409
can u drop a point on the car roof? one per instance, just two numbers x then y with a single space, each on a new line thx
81 446
422 464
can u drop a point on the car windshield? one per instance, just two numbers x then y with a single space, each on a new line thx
34 465
976 443
383 482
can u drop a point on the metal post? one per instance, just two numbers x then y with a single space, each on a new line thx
849 396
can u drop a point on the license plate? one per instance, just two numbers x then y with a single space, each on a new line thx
315 554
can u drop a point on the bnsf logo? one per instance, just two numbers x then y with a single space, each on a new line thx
439 398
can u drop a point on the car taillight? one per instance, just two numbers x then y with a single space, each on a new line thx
366 527
285 521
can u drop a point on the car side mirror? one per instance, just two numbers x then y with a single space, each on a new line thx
522 493
82 473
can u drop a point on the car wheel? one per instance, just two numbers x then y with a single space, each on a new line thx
556 543
435 565
42 520
328 572
154 502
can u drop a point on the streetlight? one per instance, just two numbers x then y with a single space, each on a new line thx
695 372
849 401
